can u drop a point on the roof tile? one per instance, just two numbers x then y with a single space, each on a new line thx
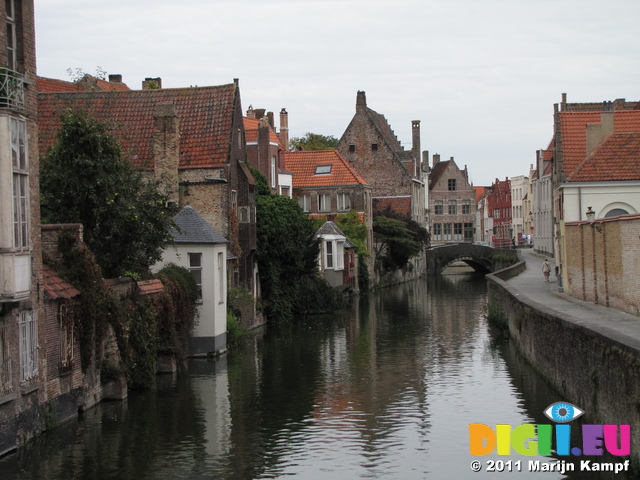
303 165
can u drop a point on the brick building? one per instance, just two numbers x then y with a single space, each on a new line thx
192 138
266 147
499 206
452 203
394 173
22 319
587 136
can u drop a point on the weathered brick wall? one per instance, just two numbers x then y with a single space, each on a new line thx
603 261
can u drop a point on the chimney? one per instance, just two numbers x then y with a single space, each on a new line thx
166 147
415 132
259 113
251 112
152 83
115 78
597 132
436 159
271 120
361 101
284 129
563 105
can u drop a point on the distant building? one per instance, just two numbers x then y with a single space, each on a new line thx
519 190
452 203
395 174
266 148
499 206
325 185
542 204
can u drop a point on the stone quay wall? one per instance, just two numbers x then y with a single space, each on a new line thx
597 372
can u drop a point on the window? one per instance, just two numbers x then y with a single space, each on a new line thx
466 207
344 202
285 191
324 202
339 255
352 148
451 184
329 250
453 207
195 267
447 231
323 169
11 35
305 203
65 321
273 172
244 215
221 278
457 231
374 147
468 232
439 208
28 331
437 231
234 199
5 360
20 183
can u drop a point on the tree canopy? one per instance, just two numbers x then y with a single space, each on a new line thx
287 256
400 239
313 141
84 179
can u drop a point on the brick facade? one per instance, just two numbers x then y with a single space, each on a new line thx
603 262
452 203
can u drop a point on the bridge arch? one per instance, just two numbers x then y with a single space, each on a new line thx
481 258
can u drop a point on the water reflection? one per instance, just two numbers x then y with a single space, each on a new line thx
384 390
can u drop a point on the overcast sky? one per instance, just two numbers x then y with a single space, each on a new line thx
481 75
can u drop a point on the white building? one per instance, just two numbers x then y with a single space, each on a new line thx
519 189
203 251
542 203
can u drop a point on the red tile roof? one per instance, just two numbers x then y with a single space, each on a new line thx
574 132
400 204
55 287
205 115
51 85
148 287
616 158
251 126
303 164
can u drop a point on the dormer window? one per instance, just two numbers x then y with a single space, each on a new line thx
323 169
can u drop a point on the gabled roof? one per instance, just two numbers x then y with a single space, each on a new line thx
617 158
194 228
574 132
437 171
205 116
330 228
304 164
251 126
381 124
55 287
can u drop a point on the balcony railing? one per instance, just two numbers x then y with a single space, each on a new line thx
11 89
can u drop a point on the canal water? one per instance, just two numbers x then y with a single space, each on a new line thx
385 390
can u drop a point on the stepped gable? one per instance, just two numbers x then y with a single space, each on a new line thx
204 113
192 228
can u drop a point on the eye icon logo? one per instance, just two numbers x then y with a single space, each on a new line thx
562 412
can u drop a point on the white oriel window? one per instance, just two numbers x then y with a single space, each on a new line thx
344 202
20 183
334 254
329 253
195 267
28 332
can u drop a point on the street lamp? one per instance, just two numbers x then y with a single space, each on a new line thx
591 215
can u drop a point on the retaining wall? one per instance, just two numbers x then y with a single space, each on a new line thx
598 373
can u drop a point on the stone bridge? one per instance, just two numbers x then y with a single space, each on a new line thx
481 258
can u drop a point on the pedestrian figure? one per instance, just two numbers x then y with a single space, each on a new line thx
546 270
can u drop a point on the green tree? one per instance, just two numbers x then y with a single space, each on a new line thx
313 141
287 256
399 238
84 179
356 231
